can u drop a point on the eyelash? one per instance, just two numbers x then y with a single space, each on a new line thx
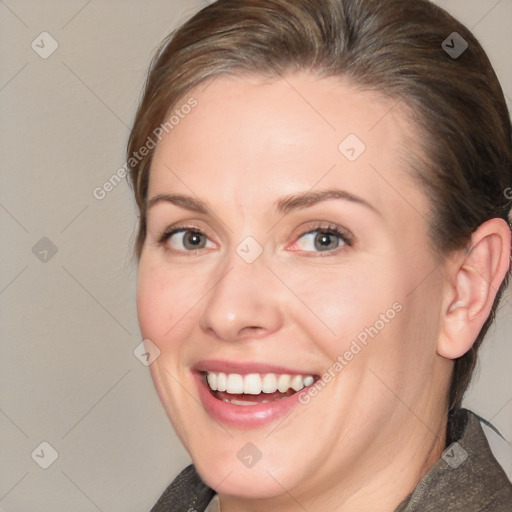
331 229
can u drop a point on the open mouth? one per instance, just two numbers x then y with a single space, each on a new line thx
255 388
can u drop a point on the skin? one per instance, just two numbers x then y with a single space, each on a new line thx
368 437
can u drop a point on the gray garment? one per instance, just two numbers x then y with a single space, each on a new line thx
467 478
214 505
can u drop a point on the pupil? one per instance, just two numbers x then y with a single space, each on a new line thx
323 241
193 239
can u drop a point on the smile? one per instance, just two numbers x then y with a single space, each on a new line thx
255 388
249 395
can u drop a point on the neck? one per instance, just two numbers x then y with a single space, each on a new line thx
383 477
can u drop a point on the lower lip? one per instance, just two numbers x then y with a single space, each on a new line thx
244 416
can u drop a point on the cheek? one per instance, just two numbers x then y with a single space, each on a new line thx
338 306
155 302
167 301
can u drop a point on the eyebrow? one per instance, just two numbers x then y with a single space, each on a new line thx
186 202
293 202
303 200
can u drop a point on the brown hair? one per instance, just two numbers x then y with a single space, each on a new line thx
392 47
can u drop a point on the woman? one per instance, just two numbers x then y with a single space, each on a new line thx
323 242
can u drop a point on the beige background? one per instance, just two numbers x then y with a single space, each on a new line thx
68 325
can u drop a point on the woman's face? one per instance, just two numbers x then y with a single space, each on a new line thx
269 274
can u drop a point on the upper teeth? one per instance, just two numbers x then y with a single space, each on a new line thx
254 383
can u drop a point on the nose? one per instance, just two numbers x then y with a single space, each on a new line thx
244 302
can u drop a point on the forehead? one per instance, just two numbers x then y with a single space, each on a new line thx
249 140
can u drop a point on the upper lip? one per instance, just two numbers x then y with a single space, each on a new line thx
245 368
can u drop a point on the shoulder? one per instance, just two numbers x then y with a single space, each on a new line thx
467 478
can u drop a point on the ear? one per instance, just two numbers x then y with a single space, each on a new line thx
473 280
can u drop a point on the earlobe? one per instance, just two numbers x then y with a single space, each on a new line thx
473 281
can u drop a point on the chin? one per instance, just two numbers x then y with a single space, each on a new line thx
246 483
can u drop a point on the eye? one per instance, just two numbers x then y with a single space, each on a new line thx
183 239
323 239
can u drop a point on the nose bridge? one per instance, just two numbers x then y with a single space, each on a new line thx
242 298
